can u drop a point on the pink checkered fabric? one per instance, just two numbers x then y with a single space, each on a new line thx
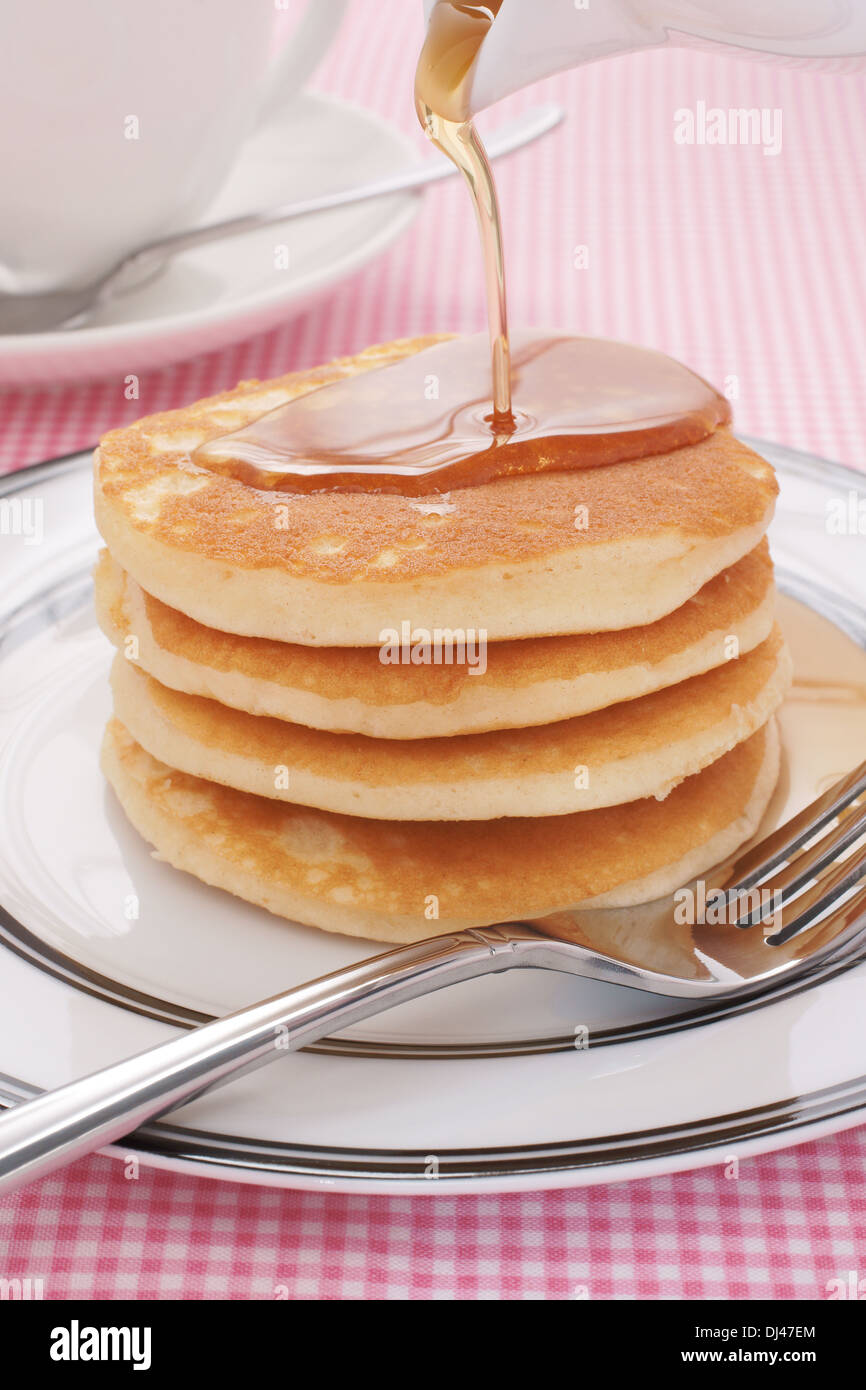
792 1221
749 267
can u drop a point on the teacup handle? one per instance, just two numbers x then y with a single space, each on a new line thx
301 55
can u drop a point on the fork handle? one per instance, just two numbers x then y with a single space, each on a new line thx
59 1126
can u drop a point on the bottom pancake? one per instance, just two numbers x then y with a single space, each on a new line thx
405 881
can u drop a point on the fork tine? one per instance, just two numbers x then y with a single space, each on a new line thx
836 926
828 889
805 866
783 844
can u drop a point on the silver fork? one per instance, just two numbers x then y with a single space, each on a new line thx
811 871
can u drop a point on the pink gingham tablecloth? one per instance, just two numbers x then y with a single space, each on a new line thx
750 267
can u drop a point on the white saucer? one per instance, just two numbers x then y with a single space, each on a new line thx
216 294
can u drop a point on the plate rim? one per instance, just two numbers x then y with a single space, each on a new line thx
235 1158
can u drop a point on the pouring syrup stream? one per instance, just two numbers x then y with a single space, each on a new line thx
443 87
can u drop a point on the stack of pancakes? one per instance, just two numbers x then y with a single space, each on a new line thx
614 738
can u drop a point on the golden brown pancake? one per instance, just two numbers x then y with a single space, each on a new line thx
348 689
404 882
599 549
641 748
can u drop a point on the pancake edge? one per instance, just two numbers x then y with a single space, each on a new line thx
461 799
478 708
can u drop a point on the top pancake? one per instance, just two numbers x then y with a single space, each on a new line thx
592 550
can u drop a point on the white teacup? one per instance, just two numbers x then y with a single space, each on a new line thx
119 119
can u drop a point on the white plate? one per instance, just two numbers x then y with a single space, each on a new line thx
108 950
216 294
